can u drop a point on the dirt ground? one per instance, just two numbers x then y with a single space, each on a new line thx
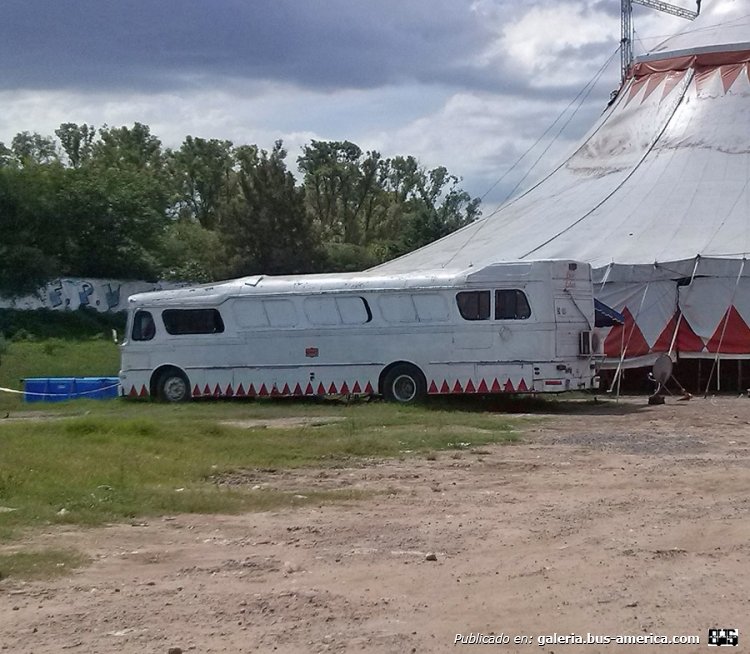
619 520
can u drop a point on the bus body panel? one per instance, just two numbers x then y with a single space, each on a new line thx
506 328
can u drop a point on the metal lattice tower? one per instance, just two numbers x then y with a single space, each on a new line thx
626 25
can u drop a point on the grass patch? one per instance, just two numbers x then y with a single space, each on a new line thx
39 564
90 462
53 358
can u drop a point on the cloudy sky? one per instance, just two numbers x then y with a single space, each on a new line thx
469 84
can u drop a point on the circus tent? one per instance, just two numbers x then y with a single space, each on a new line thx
656 198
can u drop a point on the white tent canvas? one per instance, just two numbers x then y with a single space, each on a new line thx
656 198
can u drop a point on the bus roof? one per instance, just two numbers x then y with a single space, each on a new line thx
217 292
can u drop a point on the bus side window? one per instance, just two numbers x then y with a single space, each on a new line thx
511 305
431 307
321 311
281 313
144 328
397 308
353 310
474 305
192 321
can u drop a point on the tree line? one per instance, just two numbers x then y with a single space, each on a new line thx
115 203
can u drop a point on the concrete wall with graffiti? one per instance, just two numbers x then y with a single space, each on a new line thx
71 293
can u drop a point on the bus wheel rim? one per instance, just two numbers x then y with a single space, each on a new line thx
404 388
174 388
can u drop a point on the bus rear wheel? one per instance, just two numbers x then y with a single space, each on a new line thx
404 384
173 386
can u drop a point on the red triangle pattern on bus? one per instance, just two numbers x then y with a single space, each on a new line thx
482 386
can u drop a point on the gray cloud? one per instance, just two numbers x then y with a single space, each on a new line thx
147 43
433 78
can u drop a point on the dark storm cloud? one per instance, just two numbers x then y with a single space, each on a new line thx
147 44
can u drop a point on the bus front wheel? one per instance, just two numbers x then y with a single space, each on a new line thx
173 386
404 384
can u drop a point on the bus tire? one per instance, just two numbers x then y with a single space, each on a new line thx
173 386
404 384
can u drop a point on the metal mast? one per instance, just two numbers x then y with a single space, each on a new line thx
626 25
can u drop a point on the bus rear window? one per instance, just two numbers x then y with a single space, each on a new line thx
474 305
192 321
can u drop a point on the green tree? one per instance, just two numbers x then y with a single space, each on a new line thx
342 187
202 170
424 205
111 223
129 148
190 252
265 227
369 209
27 227
6 155
33 149
77 142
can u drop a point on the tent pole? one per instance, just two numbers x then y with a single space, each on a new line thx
619 369
679 308
723 332
623 350
739 375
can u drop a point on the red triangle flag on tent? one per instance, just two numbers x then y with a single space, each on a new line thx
633 342
736 335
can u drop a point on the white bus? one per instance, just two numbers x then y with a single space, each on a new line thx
517 327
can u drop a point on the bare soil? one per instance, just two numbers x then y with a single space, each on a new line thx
618 519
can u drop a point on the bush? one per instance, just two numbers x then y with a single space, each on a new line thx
21 335
40 324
